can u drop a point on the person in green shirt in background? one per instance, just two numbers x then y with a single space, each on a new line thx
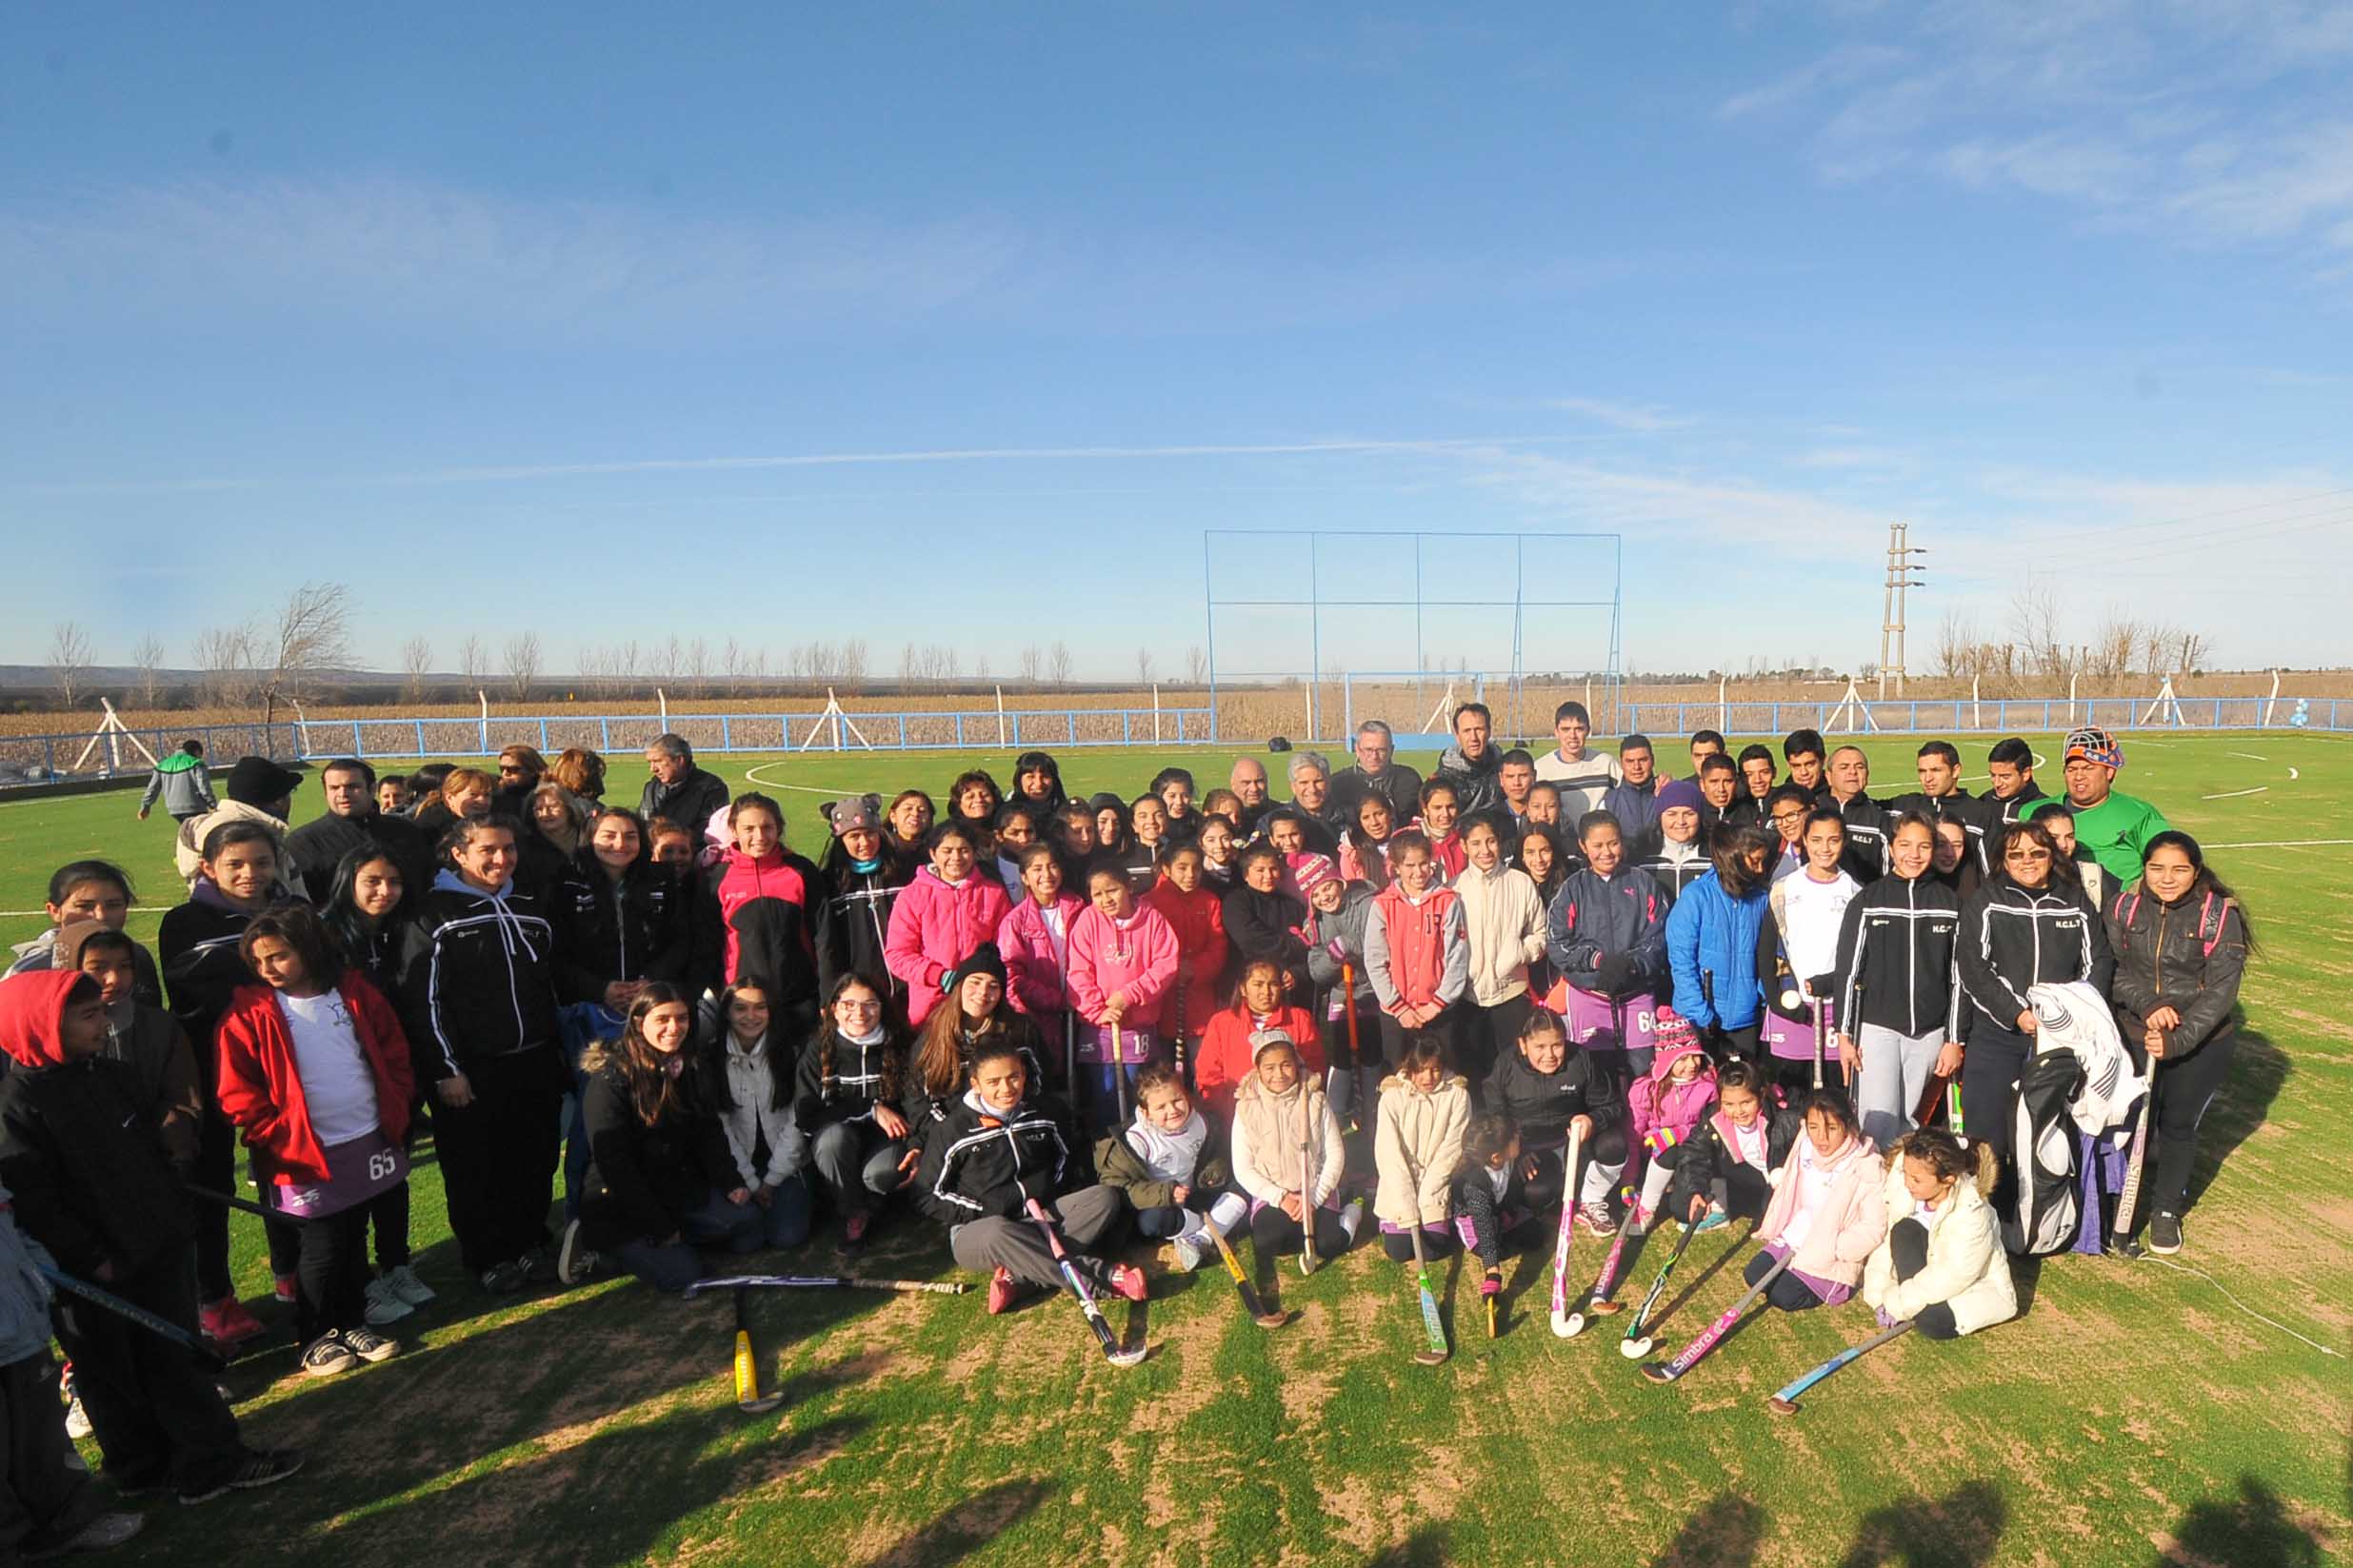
2114 827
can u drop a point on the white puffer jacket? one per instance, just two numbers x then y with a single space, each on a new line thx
1966 1268
1505 918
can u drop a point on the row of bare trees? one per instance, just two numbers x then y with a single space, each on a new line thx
2045 642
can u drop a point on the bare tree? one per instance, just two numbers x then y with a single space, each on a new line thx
911 662
68 660
1196 664
473 661
1144 666
2114 647
1956 637
2191 650
980 668
733 666
417 662
310 637
223 659
147 657
2034 626
1058 663
523 663
695 665
1032 664
851 663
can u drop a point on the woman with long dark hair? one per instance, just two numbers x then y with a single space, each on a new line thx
2182 941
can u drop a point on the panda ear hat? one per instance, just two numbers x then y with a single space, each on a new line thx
848 816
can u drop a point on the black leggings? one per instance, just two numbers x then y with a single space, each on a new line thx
2185 1087
1989 1072
1435 1245
1907 1244
1277 1234
1787 1291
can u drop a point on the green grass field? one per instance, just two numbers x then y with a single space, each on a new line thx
2133 1415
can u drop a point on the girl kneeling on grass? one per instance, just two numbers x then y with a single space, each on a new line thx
1730 1163
1492 1192
999 1148
1172 1164
1827 1215
1417 1144
1940 1264
749 1071
1287 1156
314 1068
660 1179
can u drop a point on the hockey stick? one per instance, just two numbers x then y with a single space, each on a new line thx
1308 1261
747 1395
1356 1049
1070 1049
1816 1008
2128 1201
1250 1304
1434 1331
825 1281
1784 1401
246 1205
1119 1074
1636 1344
1112 1351
1560 1320
212 1361
1688 1356
1598 1305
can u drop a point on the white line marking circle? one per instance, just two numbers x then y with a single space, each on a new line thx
2233 794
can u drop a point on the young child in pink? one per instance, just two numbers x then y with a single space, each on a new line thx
1123 964
1667 1106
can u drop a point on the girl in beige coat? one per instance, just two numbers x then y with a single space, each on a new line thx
1504 917
1942 1263
1417 1144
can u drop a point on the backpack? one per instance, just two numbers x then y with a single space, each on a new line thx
2042 1141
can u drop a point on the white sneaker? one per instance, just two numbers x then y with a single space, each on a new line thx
574 1261
384 1304
1188 1252
77 1421
403 1283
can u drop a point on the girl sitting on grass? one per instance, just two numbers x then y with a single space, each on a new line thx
1287 1156
1940 1264
1417 1146
1171 1163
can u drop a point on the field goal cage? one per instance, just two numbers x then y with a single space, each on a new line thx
1317 631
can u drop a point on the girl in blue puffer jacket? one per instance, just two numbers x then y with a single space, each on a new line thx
1711 943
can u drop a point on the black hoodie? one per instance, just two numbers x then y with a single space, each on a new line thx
604 930
2011 939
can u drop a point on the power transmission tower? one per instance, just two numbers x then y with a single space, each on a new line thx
1901 571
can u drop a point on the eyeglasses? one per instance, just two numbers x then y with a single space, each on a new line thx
2023 854
850 1004
1788 816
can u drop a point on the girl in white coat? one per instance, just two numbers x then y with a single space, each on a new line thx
1942 1263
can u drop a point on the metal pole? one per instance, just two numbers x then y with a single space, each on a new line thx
1208 614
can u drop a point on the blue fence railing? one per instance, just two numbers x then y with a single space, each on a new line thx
35 757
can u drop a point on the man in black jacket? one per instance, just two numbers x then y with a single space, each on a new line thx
90 1182
679 790
353 819
1471 764
1940 797
1376 771
1849 778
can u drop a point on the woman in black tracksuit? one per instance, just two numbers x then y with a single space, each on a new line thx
2182 942
2027 925
480 1007
1895 983
619 918
1544 1084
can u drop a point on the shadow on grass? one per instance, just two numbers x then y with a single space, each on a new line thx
1959 1530
1424 1548
2253 1530
1725 1532
1692 1287
2258 1072
968 1525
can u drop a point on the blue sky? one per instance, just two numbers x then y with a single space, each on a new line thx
961 324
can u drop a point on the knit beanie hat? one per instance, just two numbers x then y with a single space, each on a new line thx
1314 870
1262 1038
984 960
1671 1034
1680 792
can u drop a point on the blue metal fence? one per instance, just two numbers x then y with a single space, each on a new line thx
32 758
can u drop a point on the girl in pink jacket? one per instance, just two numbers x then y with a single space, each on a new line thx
949 909
1123 962
1827 1215
1664 1108
1034 936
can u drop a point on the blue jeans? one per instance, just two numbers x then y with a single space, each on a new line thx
580 1024
784 1222
672 1268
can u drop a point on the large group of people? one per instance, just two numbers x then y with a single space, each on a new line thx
1441 1009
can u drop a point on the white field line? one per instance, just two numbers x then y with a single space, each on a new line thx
752 775
2249 755
2233 794
2280 844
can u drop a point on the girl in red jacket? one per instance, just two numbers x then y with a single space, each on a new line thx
314 1069
1442 810
1197 915
951 908
1122 963
1227 1056
1417 949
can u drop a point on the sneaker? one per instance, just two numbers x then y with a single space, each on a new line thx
1595 1217
854 1228
263 1468
1188 1253
227 1321
327 1356
1128 1280
538 1267
2164 1234
505 1278
77 1419
575 1263
1003 1293
369 1346
1715 1219
403 1282
107 1530
384 1304
285 1287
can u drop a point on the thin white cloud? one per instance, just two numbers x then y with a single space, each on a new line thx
1643 417
1847 62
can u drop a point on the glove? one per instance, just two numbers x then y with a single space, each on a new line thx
1493 1283
1616 975
1660 1139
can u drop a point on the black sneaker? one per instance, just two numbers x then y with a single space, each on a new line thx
2164 1234
368 1345
328 1355
263 1468
538 1267
505 1278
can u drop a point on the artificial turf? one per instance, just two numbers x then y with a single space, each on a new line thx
2135 1415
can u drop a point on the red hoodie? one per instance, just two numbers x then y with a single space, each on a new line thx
260 1086
32 1007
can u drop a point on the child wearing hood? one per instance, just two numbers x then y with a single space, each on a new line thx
1171 1163
1940 1264
1287 1156
91 1186
1664 1108
1675 851
1417 1144
1337 910
1001 1147
146 1042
